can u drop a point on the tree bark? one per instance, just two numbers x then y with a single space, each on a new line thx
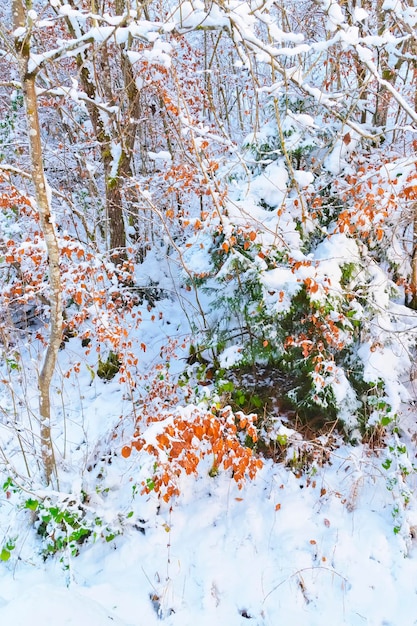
113 184
413 279
28 78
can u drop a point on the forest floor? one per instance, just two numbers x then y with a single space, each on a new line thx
324 536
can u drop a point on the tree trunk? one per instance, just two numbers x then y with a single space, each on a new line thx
413 280
22 46
114 210
113 183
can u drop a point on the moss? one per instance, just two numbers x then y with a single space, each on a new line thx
112 183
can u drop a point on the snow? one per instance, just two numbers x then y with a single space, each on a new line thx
313 547
67 10
326 531
289 52
280 550
43 603
280 281
280 35
188 17
162 155
303 178
160 54
19 32
230 356
116 153
271 185
359 14
334 14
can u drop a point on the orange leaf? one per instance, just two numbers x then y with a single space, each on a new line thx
143 347
163 441
277 506
252 235
126 452
225 246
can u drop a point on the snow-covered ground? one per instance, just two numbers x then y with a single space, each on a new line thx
312 545
283 550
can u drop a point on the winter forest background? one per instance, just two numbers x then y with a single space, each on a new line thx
208 271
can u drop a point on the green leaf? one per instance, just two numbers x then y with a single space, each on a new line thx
78 534
282 440
92 372
4 555
7 484
225 387
32 505
257 402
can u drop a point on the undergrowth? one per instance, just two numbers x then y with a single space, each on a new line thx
63 523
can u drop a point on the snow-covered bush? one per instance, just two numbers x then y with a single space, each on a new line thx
293 274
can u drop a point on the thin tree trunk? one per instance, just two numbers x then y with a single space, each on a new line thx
22 45
113 183
413 280
114 204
